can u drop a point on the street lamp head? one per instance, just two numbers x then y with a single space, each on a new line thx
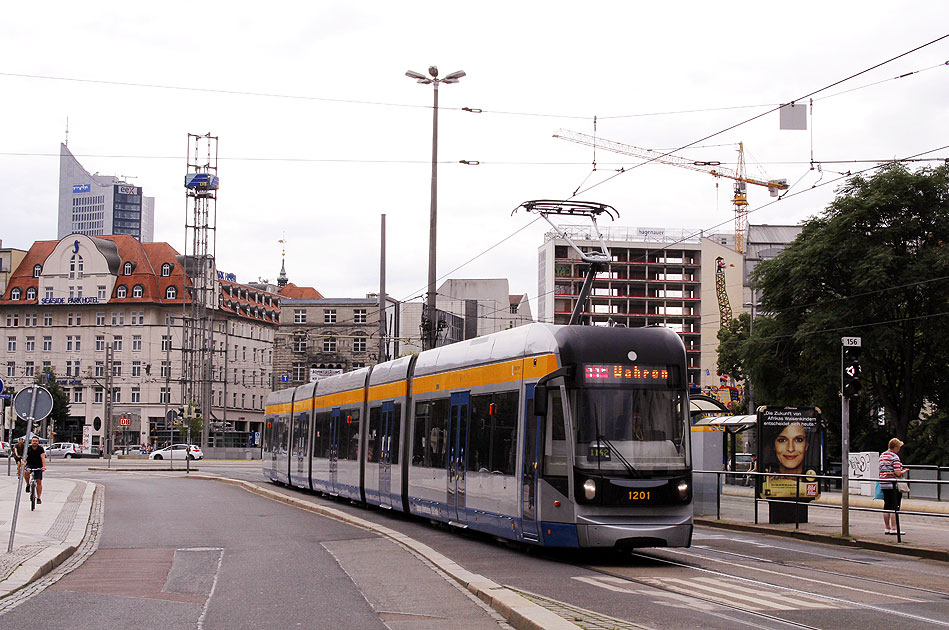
412 74
454 76
433 70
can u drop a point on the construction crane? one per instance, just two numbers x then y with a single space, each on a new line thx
740 199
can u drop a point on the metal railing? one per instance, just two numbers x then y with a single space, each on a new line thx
796 500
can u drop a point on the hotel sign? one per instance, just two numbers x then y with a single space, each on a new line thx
72 300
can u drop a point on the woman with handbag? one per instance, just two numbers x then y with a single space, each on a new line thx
890 468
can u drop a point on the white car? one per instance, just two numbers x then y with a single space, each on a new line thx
66 450
178 451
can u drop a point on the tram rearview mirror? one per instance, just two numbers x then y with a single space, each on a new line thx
540 400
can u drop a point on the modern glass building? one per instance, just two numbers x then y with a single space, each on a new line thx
99 205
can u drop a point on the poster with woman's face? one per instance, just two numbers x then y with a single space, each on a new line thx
789 444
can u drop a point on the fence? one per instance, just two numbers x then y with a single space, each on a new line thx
828 480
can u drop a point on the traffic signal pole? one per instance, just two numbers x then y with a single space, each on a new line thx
849 386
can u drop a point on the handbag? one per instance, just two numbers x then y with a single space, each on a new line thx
903 487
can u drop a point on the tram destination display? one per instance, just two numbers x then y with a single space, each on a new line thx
594 373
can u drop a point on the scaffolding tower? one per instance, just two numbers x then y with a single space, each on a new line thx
200 290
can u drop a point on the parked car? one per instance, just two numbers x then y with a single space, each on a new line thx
131 449
4 447
178 451
66 450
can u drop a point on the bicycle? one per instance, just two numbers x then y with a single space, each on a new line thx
33 487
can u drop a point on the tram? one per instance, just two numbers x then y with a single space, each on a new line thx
560 436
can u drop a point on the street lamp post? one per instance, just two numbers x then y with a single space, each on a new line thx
428 339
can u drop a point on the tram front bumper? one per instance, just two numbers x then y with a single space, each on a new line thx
607 531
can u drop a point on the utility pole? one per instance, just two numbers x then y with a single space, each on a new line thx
108 403
382 296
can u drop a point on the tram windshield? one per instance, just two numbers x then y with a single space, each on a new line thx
630 430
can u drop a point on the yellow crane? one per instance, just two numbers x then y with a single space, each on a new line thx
740 199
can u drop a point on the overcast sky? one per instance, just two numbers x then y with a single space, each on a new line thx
334 134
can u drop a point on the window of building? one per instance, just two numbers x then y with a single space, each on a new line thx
100 319
11 368
100 292
116 368
75 266
77 395
13 319
359 316
137 291
136 368
138 318
69 342
299 316
30 344
47 319
127 269
136 394
97 395
29 369
122 291
171 293
136 343
166 269
37 270
47 344
165 369
99 369
164 395
298 373
117 343
329 344
48 292
329 316
359 344
15 293
100 343
11 346
116 395
165 343
30 320
31 293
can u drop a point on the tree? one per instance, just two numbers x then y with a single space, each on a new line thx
60 412
874 265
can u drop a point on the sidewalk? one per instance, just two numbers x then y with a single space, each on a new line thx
44 538
926 532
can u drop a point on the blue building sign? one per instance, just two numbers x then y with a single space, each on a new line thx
80 188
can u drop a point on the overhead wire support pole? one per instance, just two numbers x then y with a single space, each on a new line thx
598 261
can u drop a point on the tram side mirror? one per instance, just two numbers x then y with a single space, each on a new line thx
540 400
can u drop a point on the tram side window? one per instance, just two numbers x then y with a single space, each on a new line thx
555 447
395 433
349 434
299 434
282 438
374 435
431 431
321 435
492 433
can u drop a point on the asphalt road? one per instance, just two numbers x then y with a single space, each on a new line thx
726 580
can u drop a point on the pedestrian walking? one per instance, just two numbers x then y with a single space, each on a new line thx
752 468
890 469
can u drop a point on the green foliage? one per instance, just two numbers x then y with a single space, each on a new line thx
875 265
928 441
732 340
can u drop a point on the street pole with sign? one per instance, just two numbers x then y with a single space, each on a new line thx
31 403
847 388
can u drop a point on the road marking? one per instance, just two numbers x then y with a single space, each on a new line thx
785 574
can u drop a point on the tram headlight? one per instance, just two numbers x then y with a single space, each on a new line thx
683 489
589 489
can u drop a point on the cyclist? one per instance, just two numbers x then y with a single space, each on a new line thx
18 449
35 463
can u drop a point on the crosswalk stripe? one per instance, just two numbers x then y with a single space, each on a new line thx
795 600
725 595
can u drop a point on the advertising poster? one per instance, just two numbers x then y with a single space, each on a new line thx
789 443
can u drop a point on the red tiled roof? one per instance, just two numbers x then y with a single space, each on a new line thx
293 292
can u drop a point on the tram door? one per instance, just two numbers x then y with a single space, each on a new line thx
385 453
457 451
532 446
334 449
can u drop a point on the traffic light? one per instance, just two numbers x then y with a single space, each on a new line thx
851 371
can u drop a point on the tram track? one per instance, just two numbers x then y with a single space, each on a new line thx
811 569
831 600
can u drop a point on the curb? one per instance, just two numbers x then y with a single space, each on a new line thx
918 552
518 611
45 561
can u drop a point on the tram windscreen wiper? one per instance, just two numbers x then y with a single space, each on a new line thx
629 467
